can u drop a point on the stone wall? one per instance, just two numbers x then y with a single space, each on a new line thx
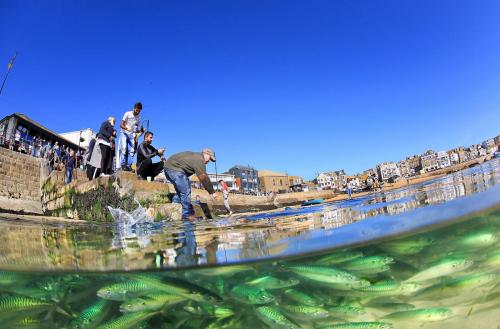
19 182
90 200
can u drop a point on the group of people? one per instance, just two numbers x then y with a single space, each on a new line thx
57 156
102 153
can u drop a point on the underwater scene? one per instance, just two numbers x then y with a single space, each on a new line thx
421 257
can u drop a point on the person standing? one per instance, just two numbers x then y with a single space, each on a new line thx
70 166
57 151
129 126
369 183
51 160
104 138
145 154
225 193
349 189
182 165
111 158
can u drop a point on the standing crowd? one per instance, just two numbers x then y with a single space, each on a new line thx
103 157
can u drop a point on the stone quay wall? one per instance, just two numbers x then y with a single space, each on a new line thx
20 177
89 200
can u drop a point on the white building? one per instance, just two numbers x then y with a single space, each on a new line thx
355 182
339 179
404 169
387 170
74 136
324 181
454 158
429 162
443 159
229 179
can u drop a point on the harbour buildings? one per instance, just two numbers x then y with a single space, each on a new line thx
271 181
414 164
296 183
80 137
247 178
387 170
404 168
443 159
324 181
428 161
229 179
21 133
339 179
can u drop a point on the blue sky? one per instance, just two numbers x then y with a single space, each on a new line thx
292 86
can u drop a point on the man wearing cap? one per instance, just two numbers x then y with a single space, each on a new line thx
179 167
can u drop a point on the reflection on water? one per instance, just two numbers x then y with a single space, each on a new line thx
296 230
446 277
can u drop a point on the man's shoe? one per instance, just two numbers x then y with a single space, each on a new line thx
139 177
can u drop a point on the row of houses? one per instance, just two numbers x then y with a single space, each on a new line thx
17 130
246 179
411 166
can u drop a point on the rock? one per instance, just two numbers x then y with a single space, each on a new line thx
167 211
203 210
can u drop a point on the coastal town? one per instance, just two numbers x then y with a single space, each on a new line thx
23 134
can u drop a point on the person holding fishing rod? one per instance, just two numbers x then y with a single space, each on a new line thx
145 154
129 136
179 167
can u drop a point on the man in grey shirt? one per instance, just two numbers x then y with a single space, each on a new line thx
179 167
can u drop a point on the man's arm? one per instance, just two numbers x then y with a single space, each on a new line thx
142 151
123 125
203 177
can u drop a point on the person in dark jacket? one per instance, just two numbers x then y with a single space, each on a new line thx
70 164
145 154
88 154
182 165
104 138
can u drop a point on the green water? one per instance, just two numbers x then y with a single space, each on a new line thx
444 277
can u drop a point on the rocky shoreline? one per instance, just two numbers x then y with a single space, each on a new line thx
88 200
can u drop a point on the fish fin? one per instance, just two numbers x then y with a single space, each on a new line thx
62 311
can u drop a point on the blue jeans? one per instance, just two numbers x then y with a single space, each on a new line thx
186 253
69 175
183 190
125 143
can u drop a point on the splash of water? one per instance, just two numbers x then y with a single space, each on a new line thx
136 224
138 216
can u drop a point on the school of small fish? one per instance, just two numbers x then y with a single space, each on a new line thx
435 276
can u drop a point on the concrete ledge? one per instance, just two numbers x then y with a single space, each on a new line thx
20 206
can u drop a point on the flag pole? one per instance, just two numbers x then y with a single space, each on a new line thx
9 67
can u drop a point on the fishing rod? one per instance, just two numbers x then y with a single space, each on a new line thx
216 174
9 68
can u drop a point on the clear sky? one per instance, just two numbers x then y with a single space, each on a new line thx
292 86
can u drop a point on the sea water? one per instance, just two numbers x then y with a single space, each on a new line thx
423 256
